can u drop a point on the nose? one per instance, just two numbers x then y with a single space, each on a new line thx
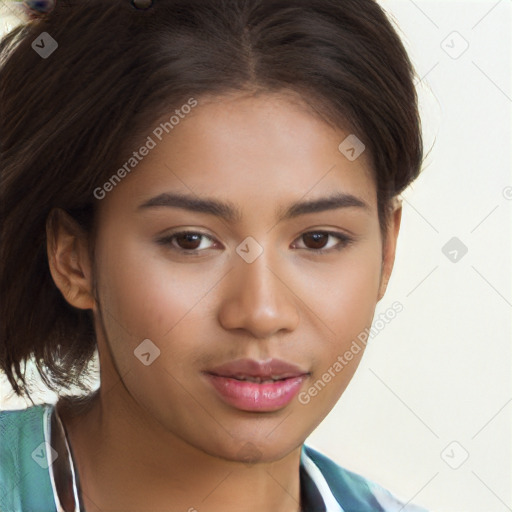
258 299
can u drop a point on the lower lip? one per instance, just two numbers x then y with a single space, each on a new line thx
254 396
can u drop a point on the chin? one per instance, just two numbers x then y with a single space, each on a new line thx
254 449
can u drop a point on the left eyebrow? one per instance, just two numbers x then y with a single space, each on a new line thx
229 212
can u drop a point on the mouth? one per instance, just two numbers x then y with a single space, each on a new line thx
249 385
259 380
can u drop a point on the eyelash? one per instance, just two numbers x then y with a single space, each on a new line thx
345 241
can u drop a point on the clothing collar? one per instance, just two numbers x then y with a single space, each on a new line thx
316 496
63 473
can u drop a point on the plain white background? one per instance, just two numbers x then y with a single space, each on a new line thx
428 413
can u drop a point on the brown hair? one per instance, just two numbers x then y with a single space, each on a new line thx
68 120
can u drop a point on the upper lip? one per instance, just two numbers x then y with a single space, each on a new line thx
271 368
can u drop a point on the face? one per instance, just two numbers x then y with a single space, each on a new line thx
267 282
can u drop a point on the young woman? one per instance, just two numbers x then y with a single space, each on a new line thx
206 192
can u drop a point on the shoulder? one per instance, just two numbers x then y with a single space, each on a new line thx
24 459
354 492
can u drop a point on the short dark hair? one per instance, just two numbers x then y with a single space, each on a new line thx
68 120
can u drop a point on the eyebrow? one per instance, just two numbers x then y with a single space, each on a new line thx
229 212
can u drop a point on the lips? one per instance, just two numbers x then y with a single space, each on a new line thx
257 386
258 371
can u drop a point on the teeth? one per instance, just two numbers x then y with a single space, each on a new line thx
256 379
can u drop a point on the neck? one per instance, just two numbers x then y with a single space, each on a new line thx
127 461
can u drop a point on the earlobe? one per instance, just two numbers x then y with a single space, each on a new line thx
389 248
68 258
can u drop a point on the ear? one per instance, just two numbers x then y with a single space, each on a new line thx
389 246
69 260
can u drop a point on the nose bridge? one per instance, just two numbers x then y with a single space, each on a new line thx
257 300
257 279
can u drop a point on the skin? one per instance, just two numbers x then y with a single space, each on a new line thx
158 437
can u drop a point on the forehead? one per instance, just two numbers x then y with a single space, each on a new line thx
249 149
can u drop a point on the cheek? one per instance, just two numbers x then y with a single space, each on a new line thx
144 296
344 295
346 304
353 300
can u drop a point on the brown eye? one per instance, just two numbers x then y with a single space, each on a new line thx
188 241
185 242
316 241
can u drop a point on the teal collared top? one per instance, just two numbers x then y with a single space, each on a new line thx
28 476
